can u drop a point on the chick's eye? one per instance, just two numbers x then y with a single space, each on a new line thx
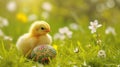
42 28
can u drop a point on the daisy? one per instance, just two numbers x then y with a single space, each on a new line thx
101 53
66 31
94 25
8 38
11 6
3 22
63 33
47 6
59 36
63 30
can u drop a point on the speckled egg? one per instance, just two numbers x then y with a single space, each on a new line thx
43 53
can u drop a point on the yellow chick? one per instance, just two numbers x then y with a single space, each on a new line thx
37 35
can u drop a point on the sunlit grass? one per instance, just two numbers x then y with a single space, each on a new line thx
85 42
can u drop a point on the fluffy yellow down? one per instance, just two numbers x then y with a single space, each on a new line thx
37 35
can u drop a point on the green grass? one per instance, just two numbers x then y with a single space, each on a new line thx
66 57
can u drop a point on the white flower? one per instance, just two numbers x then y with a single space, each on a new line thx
45 15
47 6
63 30
118 65
74 26
32 17
8 38
3 22
1 33
94 25
59 36
76 50
11 6
66 31
110 30
63 33
101 53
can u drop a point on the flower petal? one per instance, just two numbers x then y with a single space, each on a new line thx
90 27
93 30
95 22
99 25
91 23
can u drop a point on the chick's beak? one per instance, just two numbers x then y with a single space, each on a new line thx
48 30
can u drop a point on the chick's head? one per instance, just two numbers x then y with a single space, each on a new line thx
39 28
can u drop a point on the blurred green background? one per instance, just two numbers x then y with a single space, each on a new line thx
58 13
21 13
